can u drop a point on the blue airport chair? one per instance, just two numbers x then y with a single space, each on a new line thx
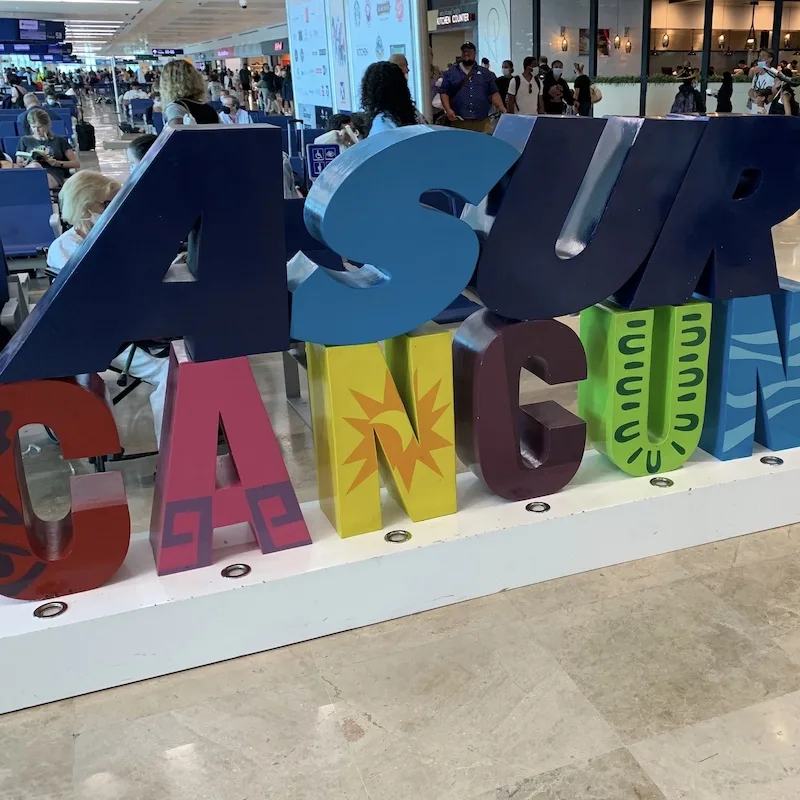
307 136
65 115
25 210
7 129
11 145
158 121
139 108
217 106
58 127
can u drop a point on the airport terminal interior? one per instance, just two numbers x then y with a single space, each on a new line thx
672 673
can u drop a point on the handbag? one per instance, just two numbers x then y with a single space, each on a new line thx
595 94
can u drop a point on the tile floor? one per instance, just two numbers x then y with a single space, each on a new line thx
672 677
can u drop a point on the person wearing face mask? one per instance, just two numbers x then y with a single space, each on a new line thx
525 93
557 94
84 199
469 92
505 79
31 101
232 113
51 100
761 82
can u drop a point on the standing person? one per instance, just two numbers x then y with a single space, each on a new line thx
505 79
287 91
385 98
525 92
558 96
183 96
486 65
468 93
784 102
724 94
244 84
214 87
583 92
544 69
762 81
688 100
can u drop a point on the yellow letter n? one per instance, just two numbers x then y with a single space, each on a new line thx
393 412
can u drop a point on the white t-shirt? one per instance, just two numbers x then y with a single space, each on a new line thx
527 99
135 94
241 118
762 81
62 248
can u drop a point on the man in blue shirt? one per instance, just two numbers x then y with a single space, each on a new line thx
31 101
468 93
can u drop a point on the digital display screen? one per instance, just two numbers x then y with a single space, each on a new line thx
32 30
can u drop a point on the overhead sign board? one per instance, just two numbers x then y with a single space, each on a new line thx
167 51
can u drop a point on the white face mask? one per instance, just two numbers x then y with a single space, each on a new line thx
90 220
557 72
506 71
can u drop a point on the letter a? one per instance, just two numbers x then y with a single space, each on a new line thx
196 490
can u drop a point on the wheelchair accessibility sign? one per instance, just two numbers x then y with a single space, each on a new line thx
318 156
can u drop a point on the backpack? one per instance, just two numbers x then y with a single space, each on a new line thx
684 103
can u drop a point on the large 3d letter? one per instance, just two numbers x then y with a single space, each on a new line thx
367 208
518 452
567 255
83 550
116 290
645 396
406 403
717 239
197 491
754 374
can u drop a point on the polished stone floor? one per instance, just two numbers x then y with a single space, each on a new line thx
672 677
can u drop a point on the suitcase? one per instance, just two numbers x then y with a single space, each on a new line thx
85 133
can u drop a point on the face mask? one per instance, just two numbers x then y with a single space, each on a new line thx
506 71
557 72
91 220
229 110
51 102
762 64
468 62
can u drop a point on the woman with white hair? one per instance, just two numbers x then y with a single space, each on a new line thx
84 198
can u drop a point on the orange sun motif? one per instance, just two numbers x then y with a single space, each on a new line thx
386 419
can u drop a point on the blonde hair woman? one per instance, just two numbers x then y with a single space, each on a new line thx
53 153
84 198
183 96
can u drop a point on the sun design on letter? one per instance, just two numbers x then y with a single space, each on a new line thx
386 418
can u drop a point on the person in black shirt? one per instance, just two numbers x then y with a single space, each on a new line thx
784 102
244 80
724 95
557 94
583 92
505 79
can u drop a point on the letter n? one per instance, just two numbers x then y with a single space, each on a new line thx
393 412
644 399
198 491
82 551
754 374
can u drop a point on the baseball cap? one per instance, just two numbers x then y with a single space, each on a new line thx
467 46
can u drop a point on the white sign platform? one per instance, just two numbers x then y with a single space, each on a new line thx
141 626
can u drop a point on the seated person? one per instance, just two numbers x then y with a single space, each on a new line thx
84 198
340 131
232 113
138 148
51 99
31 101
52 153
134 93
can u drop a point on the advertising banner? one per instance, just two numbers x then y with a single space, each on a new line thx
344 99
310 64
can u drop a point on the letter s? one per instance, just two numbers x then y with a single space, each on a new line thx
366 206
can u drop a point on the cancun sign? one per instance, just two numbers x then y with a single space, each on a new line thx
657 231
